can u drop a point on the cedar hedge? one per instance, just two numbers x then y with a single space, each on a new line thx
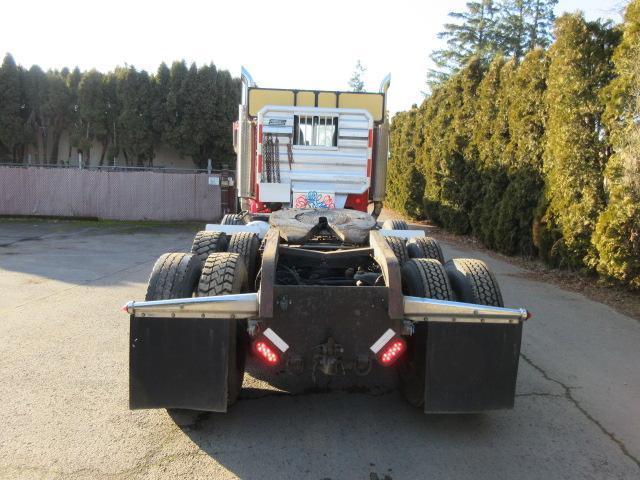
535 157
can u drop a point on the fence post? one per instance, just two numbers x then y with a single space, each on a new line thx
209 166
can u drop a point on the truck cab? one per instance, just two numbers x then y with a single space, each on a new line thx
311 148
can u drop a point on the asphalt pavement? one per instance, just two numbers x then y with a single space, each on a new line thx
64 385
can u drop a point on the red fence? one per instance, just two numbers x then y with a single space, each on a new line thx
116 195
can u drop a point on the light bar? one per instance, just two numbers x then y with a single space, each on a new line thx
264 351
392 351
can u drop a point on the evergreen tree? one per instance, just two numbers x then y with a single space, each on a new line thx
135 123
160 114
57 110
508 27
355 82
112 109
73 80
125 111
436 117
227 99
405 183
576 150
176 105
490 138
527 115
617 234
472 36
13 134
447 163
36 93
512 27
90 123
540 24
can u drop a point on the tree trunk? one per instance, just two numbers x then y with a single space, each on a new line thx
105 144
55 146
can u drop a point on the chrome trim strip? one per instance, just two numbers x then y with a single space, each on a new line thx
246 305
421 309
243 305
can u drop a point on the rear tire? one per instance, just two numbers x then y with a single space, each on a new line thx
399 247
421 277
174 275
425 247
395 225
426 277
246 244
473 282
225 274
232 219
206 243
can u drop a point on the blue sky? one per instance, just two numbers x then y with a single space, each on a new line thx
288 43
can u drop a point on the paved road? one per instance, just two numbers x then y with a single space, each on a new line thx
63 386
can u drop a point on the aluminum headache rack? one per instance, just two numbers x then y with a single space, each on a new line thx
247 305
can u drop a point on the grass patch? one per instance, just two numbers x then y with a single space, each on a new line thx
65 223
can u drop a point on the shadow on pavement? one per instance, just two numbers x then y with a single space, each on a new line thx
337 435
81 252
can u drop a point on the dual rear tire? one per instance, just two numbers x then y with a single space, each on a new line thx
245 244
233 219
461 279
417 247
181 275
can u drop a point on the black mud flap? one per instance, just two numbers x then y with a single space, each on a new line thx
178 363
471 367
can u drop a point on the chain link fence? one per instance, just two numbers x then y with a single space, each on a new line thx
116 193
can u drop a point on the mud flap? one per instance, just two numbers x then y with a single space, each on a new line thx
471 367
178 363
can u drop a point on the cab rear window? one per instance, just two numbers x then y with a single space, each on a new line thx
315 130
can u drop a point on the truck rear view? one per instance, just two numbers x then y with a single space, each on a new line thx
306 290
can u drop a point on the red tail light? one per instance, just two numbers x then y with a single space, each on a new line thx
266 352
392 351
388 348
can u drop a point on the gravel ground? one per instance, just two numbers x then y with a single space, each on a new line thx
64 385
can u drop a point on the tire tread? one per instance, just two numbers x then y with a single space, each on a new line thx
399 247
395 224
483 283
425 247
206 242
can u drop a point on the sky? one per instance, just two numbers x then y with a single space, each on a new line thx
283 44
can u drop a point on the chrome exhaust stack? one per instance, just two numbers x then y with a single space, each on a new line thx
379 174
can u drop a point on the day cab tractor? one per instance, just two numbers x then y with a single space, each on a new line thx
307 291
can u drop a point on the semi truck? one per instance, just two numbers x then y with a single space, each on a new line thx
307 291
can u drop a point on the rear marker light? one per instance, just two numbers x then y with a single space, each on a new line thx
392 351
388 348
266 352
